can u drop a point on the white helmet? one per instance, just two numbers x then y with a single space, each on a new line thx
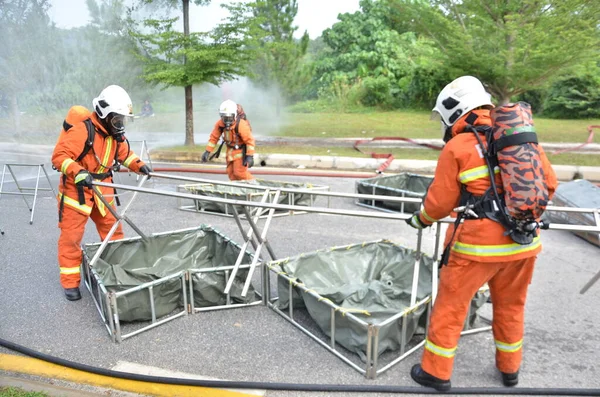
113 99
228 112
460 97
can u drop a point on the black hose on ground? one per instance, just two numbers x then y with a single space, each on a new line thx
303 387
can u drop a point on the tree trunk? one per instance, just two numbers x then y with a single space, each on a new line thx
189 104
504 98
189 117
16 113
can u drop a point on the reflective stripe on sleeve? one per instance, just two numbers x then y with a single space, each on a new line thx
509 347
476 173
69 270
129 160
65 164
495 250
440 351
426 216
211 145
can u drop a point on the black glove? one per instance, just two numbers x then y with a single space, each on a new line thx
144 169
415 221
84 179
205 156
248 161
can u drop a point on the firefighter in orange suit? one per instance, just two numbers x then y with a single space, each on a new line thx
237 136
481 252
76 199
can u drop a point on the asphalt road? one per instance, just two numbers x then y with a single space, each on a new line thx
561 346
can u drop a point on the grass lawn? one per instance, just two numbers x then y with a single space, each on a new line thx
416 154
413 124
16 392
399 123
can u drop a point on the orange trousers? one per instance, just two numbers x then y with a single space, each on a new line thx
459 281
72 229
237 171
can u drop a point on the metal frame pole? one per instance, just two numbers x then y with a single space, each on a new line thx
118 217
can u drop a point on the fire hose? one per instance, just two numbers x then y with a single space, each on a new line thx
389 156
301 387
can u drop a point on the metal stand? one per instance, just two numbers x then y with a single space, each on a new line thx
23 190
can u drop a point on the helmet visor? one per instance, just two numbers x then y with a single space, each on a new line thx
227 119
118 122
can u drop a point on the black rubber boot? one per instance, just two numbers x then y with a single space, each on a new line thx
72 294
424 379
510 380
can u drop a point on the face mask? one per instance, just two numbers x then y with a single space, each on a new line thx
227 119
446 131
117 127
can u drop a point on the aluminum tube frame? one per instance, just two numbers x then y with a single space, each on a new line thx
290 201
262 241
119 217
286 190
228 305
372 330
324 210
23 189
247 238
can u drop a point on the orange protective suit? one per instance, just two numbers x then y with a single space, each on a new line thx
480 253
234 141
98 160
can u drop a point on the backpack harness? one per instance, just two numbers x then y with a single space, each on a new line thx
491 204
89 145
235 147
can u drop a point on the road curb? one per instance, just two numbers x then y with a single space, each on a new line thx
43 369
563 172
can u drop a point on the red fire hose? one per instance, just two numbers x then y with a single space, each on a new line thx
389 156
589 140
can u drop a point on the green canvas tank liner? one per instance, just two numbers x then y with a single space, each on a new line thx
129 263
400 185
249 194
579 193
372 281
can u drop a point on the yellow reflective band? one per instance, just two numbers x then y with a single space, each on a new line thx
426 216
106 157
227 139
69 270
237 156
210 144
65 164
509 347
75 204
249 147
440 351
495 250
476 173
102 207
129 159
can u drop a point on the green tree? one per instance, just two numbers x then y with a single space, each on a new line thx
512 45
278 63
27 59
388 66
185 58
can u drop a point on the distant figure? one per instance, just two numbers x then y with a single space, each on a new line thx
147 110
236 132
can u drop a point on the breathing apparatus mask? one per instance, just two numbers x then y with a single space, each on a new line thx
446 131
115 125
228 119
